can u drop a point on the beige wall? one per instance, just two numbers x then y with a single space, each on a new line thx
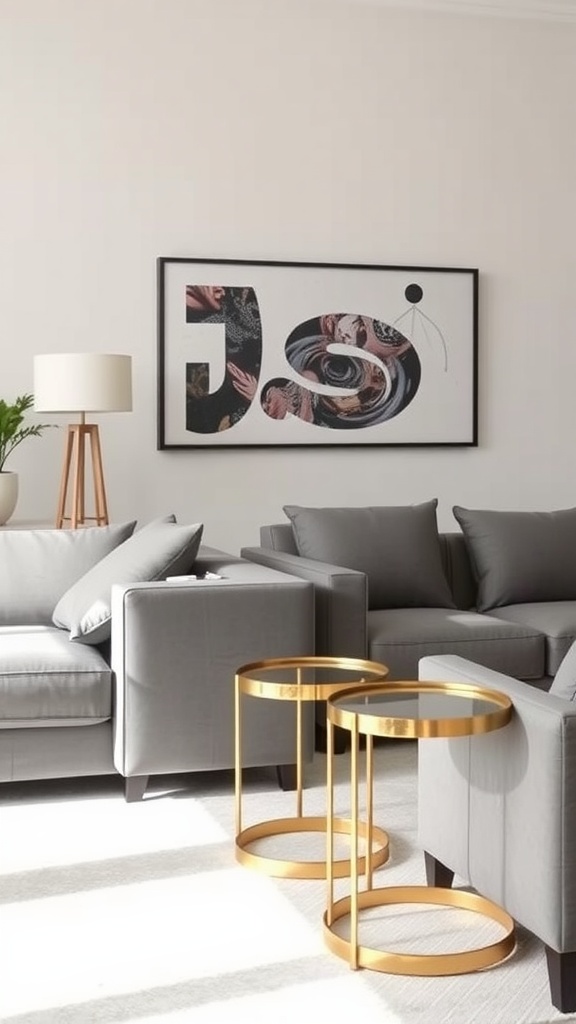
289 130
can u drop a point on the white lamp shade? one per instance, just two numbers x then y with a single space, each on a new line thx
81 382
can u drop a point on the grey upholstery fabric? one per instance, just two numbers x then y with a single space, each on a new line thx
43 678
564 682
38 566
397 548
175 653
399 637
520 557
159 550
63 752
555 619
341 599
500 809
175 649
458 570
278 537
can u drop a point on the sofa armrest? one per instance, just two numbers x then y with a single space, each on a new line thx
176 647
341 600
499 809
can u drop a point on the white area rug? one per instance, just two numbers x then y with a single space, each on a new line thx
139 913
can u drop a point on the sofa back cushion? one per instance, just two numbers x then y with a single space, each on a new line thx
38 566
397 547
458 570
152 553
520 557
564 682
278 537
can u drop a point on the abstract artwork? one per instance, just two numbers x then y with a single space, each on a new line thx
266 353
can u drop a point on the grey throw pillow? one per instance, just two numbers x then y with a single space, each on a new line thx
397 547
564 682
520 557
158 550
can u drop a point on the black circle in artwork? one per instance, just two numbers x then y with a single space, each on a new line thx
413 293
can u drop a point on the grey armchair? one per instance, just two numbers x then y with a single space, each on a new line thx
498 812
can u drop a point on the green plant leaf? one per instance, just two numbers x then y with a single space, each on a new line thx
12 433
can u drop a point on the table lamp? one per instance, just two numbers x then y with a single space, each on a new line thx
81 383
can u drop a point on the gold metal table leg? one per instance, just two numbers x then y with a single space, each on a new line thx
351 949
375 838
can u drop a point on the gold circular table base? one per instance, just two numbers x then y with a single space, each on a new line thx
302 868
431 964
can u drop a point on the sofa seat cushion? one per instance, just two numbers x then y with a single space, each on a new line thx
555 619
46 680
399 637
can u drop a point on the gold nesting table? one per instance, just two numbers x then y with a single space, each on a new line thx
299 680
405 710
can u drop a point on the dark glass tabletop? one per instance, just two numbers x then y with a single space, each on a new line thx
412 709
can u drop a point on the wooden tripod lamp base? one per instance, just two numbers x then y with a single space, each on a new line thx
78 438
81 382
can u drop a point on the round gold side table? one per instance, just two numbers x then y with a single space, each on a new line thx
299 680
409 710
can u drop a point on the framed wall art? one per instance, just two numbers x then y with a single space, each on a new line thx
260 353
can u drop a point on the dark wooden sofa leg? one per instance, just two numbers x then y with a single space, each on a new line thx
286 774
562 976
437 874
134 788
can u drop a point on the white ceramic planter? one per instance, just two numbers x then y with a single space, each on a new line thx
8 495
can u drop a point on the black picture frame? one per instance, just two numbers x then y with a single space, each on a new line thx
258 353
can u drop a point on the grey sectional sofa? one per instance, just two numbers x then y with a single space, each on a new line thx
500 592
107 667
